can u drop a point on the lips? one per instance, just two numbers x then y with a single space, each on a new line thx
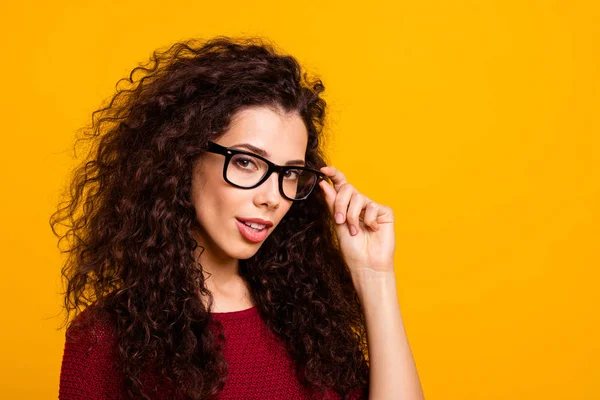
252 234
267 224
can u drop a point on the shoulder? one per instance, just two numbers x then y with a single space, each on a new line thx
90 359
91 327
91 336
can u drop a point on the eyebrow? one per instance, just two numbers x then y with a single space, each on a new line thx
263 153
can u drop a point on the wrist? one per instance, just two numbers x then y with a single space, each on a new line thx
370 283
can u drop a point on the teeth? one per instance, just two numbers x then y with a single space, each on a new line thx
254 225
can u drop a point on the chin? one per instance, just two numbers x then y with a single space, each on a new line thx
247 252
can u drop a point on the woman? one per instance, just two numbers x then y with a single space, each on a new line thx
206 254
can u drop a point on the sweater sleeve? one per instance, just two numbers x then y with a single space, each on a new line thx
89 368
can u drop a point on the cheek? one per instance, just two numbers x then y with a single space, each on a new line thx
218 205
205 197
211 208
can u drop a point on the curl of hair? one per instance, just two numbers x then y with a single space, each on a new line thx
130 223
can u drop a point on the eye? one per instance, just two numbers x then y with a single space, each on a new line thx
245 162
292 173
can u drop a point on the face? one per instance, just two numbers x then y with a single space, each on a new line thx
219 206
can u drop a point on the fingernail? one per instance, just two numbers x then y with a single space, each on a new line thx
353 230
339 218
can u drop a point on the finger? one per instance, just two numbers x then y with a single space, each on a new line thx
342 202
357 203
329 193
370 215
385 215
337 177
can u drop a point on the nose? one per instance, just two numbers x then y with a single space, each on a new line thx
268 192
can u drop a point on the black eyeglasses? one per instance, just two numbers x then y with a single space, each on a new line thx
247 170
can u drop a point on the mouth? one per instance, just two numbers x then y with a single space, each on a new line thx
258 227
253 231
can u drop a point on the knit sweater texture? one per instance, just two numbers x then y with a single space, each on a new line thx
259 365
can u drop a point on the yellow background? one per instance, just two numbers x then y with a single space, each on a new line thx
476 121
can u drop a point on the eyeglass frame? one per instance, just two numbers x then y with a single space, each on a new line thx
229 152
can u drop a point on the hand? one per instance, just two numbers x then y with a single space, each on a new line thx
367 239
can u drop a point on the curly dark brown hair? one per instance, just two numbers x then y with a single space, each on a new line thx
129 224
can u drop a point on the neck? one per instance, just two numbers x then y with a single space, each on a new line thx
222 280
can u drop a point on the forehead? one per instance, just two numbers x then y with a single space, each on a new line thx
282 135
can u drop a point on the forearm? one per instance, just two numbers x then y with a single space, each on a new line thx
393 373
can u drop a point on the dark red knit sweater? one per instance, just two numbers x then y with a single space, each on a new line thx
259 366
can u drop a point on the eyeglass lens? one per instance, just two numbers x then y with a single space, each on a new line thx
246 171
